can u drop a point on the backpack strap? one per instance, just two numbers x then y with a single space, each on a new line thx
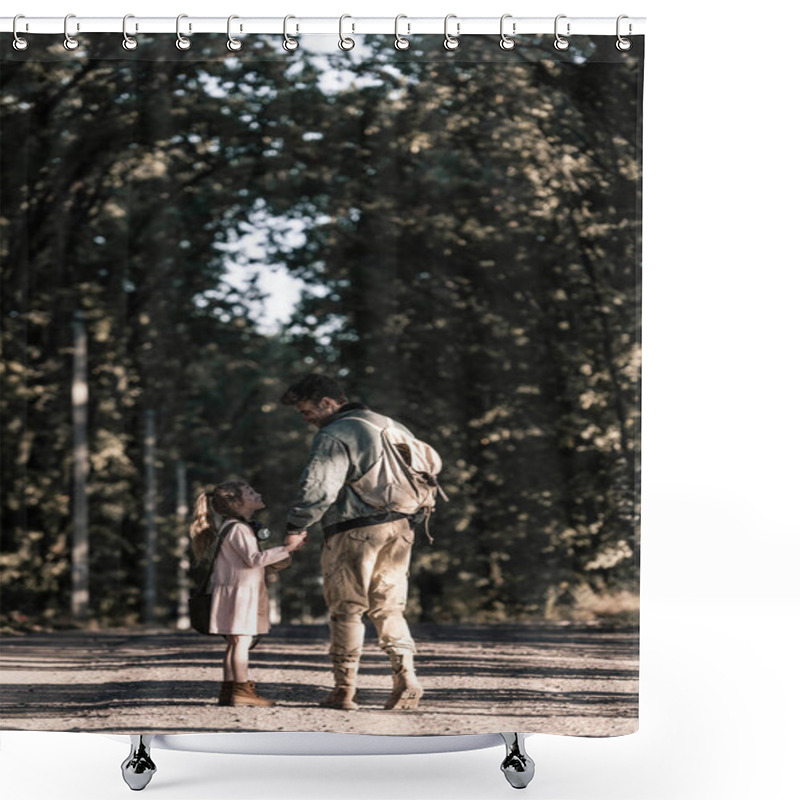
223 532
427 513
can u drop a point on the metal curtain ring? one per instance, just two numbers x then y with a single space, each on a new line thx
560 42
623 44
400 42
289 43
507 42
182 43
345 42
70 43
20 43
451 42
128 42
233 44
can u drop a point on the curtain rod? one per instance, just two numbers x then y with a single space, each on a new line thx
403 25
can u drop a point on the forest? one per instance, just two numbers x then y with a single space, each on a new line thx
464 229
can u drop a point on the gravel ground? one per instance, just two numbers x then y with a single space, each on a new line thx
546 678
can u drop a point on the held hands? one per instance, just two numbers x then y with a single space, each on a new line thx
294 541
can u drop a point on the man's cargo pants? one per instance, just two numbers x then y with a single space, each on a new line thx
365 570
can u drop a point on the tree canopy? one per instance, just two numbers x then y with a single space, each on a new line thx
466 227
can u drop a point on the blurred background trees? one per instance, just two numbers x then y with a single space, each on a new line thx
466 233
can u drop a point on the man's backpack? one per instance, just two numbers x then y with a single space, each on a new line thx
403 479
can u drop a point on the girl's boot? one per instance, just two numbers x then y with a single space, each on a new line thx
226 693
244 694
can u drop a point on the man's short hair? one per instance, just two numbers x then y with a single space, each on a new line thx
314 388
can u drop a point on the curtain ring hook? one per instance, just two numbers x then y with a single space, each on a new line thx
451 42
560 42
70 43
182 42
507 42
20 43
233 44
345 42
400 42
623 44
290 44
128 42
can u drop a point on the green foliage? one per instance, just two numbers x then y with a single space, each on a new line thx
468 234
480 271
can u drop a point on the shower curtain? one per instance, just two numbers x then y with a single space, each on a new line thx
452 235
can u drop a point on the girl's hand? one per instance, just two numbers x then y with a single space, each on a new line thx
294 541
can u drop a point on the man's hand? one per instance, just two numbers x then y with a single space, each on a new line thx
296 540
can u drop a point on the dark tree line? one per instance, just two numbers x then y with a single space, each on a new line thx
467 230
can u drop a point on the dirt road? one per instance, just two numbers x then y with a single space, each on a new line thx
545 678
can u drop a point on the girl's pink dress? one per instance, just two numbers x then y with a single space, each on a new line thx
239 590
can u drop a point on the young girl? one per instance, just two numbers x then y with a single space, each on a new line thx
239 607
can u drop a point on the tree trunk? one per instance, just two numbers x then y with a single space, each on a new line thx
150 517
182 511
80 473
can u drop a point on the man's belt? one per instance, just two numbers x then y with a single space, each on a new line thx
363 522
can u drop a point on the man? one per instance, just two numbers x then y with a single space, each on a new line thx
367 552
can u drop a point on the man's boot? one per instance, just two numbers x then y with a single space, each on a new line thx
406 690
244 694
343 695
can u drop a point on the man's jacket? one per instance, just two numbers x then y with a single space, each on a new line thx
342 451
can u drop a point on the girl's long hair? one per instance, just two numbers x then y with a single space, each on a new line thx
208 508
